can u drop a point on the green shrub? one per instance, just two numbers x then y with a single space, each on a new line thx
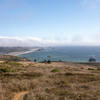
48 61
41 98
90 69
5 69
55 70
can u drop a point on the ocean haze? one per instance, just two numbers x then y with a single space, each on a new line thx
37 41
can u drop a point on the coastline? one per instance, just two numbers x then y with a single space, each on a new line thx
23 52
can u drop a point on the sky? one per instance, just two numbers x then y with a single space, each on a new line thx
49 22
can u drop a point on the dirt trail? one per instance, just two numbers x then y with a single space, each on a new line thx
19 96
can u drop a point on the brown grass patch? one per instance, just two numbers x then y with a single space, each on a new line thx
54 81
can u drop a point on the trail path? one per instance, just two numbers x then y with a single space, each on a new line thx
19 96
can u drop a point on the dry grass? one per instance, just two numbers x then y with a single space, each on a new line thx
54 81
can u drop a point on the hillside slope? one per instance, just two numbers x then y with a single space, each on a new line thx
54 81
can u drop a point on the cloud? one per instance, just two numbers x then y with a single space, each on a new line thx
35 41
17 41
90 3
28 41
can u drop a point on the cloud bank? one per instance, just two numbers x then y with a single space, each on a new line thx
34 41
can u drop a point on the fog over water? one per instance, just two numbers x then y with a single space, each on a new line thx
60 41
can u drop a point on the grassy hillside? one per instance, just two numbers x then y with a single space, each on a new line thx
11 58
6 50
54 81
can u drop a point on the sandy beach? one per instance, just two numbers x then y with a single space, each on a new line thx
23 52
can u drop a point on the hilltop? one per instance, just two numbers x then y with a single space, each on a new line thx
26 80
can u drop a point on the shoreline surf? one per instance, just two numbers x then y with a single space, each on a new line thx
23 52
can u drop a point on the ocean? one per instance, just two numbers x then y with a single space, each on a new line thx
68 53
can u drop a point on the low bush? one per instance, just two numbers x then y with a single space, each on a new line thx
5 69
90 69
55 70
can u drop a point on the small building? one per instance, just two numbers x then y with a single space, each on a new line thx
92 59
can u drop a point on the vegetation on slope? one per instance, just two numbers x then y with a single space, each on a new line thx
54 81
11 58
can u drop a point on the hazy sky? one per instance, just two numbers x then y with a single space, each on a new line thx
49 22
